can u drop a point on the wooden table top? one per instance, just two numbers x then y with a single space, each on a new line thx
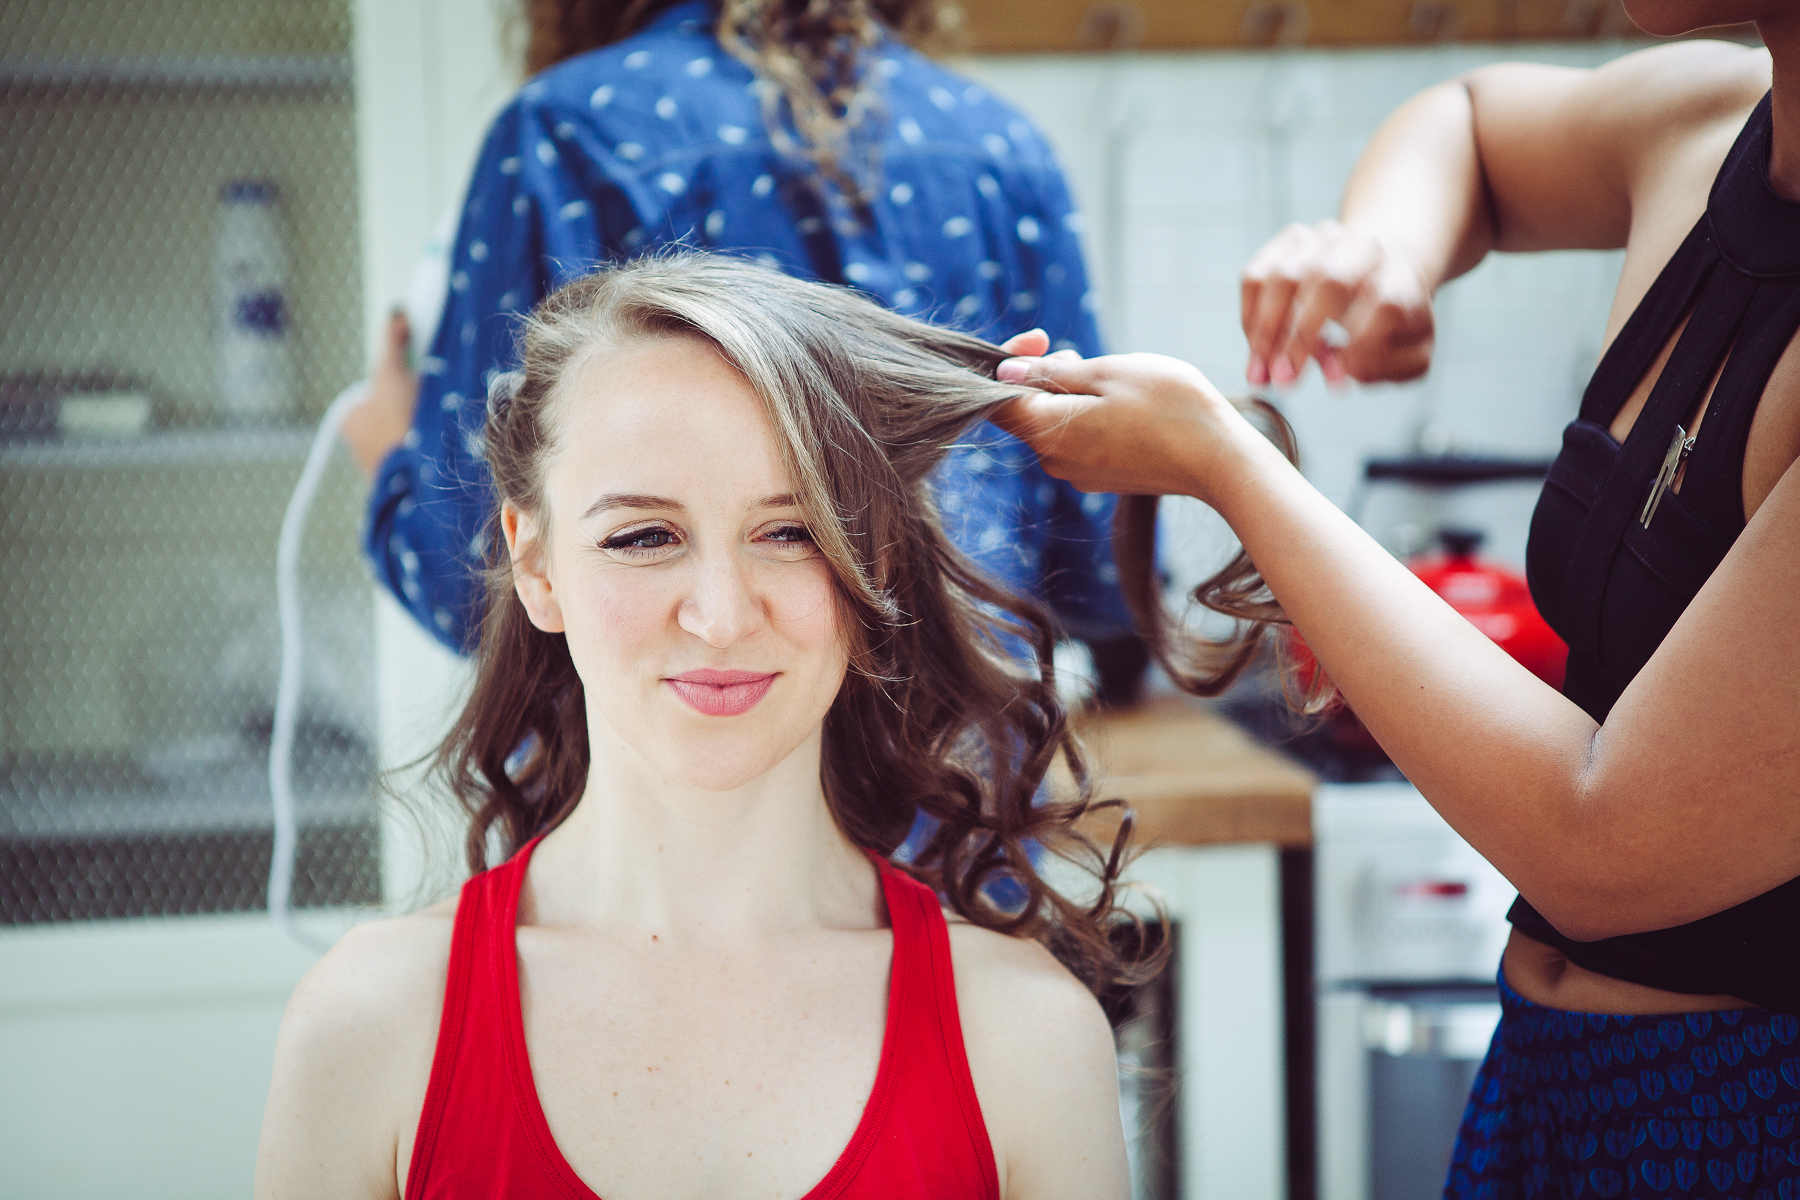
1195 779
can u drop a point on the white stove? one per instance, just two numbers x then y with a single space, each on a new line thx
1410 923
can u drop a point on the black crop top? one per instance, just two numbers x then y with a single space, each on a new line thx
1613 588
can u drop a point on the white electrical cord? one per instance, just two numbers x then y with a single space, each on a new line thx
293 664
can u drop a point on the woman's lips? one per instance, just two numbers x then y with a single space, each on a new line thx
721 693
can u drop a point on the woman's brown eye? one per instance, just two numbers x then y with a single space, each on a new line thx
791 533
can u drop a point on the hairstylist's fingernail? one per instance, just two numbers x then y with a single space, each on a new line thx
1282 372
1013 370
1258 370
1333 366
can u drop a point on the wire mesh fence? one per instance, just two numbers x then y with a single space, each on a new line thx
178 301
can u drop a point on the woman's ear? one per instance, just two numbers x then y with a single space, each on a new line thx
524 545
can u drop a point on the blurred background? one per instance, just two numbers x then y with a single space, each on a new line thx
207 209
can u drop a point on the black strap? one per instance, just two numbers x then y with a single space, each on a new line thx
1757 228
1658 315
1714 487
1710 331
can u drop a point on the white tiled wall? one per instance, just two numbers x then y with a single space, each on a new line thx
1186 163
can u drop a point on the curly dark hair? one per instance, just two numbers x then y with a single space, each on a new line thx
937 716
808 51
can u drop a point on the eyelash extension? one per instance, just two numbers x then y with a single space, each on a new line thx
620 543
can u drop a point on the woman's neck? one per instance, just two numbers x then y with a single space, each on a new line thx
651 856
1781 34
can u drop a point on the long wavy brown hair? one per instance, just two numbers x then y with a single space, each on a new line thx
938 715
810 53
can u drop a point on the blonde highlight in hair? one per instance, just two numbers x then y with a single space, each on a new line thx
939 716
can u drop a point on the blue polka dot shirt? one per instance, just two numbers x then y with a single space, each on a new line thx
661 138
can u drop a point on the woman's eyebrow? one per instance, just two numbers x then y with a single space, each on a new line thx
630 500
637 500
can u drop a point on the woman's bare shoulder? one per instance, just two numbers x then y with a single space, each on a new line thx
1690 82
1017 977
1041 1053
353 1059
1634 103
386 972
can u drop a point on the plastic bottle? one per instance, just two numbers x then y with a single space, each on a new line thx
250 311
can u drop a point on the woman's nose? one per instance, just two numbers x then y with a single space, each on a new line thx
722 608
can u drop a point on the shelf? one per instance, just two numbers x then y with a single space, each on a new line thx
232 798
262 72
161 448
162 815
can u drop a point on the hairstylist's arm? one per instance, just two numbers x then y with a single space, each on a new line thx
1508 157
1590 823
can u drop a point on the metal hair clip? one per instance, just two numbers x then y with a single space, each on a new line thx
1679 449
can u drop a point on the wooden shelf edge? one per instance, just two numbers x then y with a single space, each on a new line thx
160 448
252 72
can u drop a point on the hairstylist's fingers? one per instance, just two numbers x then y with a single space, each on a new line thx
1064 371
1339 267
1321 299
1270 322
1030 344
1125 424
1331 362
399 333
1040 418
1280 272
1391 332
1267 290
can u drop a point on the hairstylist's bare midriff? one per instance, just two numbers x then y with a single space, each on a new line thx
1544 975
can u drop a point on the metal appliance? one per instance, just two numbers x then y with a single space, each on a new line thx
1409 925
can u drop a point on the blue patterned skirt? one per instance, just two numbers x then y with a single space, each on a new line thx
1572 1105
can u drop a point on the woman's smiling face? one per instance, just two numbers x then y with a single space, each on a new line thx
671 553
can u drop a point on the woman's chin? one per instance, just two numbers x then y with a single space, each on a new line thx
718 764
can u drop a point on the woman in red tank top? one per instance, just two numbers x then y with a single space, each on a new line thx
729 660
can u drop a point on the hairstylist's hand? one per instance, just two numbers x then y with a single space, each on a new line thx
373 428
1134 424
1310 274
1030 344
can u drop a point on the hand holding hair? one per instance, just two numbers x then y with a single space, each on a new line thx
1132 424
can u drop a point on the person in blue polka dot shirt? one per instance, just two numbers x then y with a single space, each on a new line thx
661 138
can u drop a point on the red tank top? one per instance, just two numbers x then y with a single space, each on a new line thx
482 1132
